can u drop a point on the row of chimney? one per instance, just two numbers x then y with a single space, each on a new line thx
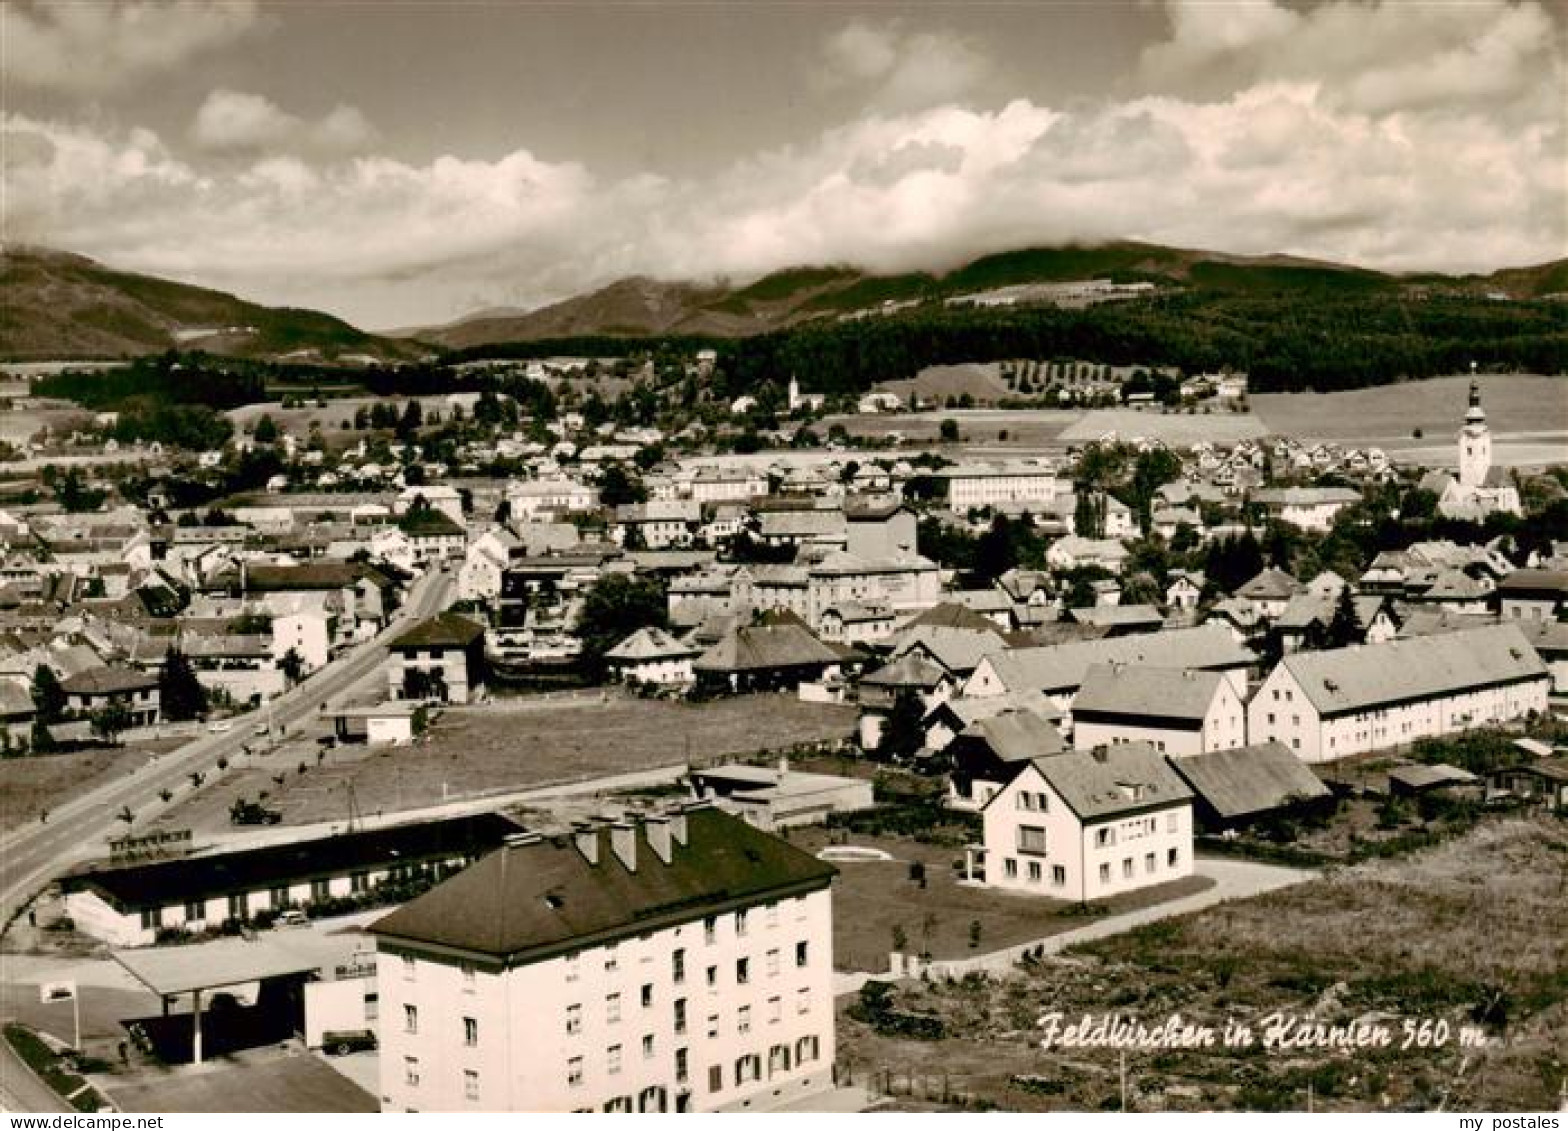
663 832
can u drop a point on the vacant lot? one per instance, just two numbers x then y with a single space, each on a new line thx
30 785
875 899
1469 934
1388 415
1178 429
511 745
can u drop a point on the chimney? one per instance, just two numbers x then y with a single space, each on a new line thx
586 838
623 842
658 832
678 826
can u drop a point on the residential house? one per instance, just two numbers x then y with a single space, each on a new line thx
652 656
1180 711
988 753
1241 786
99 688
439 658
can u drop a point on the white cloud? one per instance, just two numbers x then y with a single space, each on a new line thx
1331 161
237 122
93 47
897 69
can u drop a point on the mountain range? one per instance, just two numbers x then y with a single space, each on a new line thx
56 305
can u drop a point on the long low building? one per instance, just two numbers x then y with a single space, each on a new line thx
1328 705
128 906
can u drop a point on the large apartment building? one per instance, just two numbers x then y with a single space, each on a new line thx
673 963
1329 705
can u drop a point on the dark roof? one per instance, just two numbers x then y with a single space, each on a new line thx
166 882
1151 693
1108 781
763 647
428 522
1249 779
445 630
1015 736
107 681
535 898
1535 583
311 576
951 614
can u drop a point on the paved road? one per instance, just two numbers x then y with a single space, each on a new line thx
31 857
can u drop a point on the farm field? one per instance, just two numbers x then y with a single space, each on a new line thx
1178 429
1466 934
512 744
1522 408
29 785
1027 429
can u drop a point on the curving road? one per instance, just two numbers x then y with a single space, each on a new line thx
30 858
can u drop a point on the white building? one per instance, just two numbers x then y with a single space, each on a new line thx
1179 711
1309 508
972 485
651 655
1480 489
1329 705
680 964
1089 824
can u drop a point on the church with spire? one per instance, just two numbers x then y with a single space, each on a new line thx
1479 489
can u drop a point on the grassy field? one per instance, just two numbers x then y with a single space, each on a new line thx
511 745
1469 934
28 785
1529 407
1027 429
936 917
1178 429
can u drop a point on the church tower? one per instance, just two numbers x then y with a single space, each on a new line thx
1475 442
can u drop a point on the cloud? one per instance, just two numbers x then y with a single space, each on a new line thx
1329 161
92 48
901 70
235 122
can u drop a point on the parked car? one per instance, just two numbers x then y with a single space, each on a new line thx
291 917
221 726
341 1042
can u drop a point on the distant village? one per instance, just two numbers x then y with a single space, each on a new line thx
1100 662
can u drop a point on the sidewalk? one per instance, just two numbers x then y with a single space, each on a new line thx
1233 879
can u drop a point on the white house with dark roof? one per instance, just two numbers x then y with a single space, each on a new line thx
1332 704
681 962
1180 711
651 655
1088 824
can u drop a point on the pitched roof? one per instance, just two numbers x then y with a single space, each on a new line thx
649 643
1155 693
535 899
761 647
1061 667
909 670
1270 584
959 650
107 681
1535 583
444 630
953 614
1343 680
429 522
1016 736
1111 780
1249 779
1113 616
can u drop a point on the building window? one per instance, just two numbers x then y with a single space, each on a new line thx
152 918
647 995
647 1046
470 1084
1104 838
574 1018
743 1019
678 967
1058 875
612 1008
411 1071
1010 867
195 909
1105 873
713 978
574 1072
803 1000
573 968
1035 872
1171 857
713 1024
1031 839
320 890
612 1060
1172 822
800 953
470 1031
772 914
775 1010
409 966
468 977
280 897
612 959
773 963
237 906
740 924
742 971
411 1019
1148 862
359 882
710 930
680 1015
681 1069
716 1078
1127 868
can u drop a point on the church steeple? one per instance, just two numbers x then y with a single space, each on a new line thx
1475 414
1475 440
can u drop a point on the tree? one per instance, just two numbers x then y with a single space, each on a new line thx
615 607
180 694
1089 514
111 720
995 552
1343 628
49 702
293 666
618 487
409 423
903 734
266 431
948 431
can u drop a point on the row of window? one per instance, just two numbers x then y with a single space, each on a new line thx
1035 870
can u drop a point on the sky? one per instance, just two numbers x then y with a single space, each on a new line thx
404 163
